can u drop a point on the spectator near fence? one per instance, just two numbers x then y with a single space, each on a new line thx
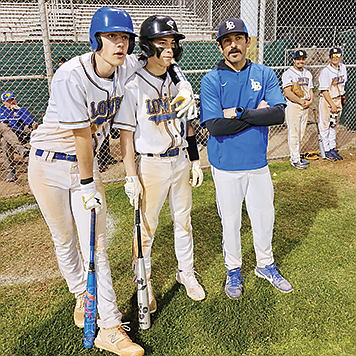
18 118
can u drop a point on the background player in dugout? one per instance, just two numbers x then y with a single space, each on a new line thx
298 86
63 173
239 100
162 140
332 81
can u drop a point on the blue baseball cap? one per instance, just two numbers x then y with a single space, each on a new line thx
335 50
7 96
300 54
230 26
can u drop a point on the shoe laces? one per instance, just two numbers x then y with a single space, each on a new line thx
274 273
125 326
190 276
236 277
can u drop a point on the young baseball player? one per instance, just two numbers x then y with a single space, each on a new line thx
239 100
150 126
86 94
332 81
298 102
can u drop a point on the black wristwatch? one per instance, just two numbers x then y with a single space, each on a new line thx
239 111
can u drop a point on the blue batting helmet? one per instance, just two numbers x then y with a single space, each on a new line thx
110 19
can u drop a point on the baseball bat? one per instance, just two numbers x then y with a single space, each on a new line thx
321 146
90 295
144 318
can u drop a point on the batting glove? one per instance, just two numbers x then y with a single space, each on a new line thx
198 175
333 120
133 189
186 99
91 197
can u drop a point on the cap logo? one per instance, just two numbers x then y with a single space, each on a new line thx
170 23
230 25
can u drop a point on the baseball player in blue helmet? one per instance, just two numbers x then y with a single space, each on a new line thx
86 94
239 100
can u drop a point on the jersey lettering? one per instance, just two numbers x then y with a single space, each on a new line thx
105 109
159 110
255 85
338 80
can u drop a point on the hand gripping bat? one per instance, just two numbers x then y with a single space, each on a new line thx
90 295
321 146
144 318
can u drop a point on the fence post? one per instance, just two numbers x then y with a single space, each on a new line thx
261 35
46 45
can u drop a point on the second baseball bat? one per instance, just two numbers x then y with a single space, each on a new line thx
321 146
144 318
90 295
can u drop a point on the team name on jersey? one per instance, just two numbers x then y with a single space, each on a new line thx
105 110
337 80
159 110
303 81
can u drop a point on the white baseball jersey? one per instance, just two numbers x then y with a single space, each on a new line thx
304 78
79 98
146 109
333 79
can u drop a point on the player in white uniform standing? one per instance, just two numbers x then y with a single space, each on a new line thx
150 126
297 105
332 81
86 94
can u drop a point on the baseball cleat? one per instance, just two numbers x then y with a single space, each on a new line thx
151 297
79 311
336 154
270 273
329 156
304 161
194 290
298 165
117 341
233 285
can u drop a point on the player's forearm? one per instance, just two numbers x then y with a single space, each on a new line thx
264 117
84 152
128 152
327 97
291 96
225 127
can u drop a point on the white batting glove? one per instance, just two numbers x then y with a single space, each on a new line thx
197 173
91 197
186 97
133 189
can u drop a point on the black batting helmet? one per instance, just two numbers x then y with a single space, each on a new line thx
158 26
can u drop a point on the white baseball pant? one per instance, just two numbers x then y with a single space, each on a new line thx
56 187
327 133
161 177
255 186
296 119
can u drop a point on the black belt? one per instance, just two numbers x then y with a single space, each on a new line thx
168 153
58 155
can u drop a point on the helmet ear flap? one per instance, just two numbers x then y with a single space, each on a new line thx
177 52
147 48
99 42
131 44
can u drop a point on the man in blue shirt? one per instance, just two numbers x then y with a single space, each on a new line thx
19 119
239 100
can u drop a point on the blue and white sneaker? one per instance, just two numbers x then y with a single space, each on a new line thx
336 154
304 161
233 285
298 165
270 273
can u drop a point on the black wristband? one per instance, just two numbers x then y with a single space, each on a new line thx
192 149
87 180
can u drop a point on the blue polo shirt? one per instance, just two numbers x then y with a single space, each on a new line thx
224 88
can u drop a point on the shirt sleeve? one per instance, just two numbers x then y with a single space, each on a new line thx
125 119
324 82
286 79
210 105
273 94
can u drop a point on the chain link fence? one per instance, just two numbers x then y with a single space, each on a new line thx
35 35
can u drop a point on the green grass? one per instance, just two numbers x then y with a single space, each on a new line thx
314 245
